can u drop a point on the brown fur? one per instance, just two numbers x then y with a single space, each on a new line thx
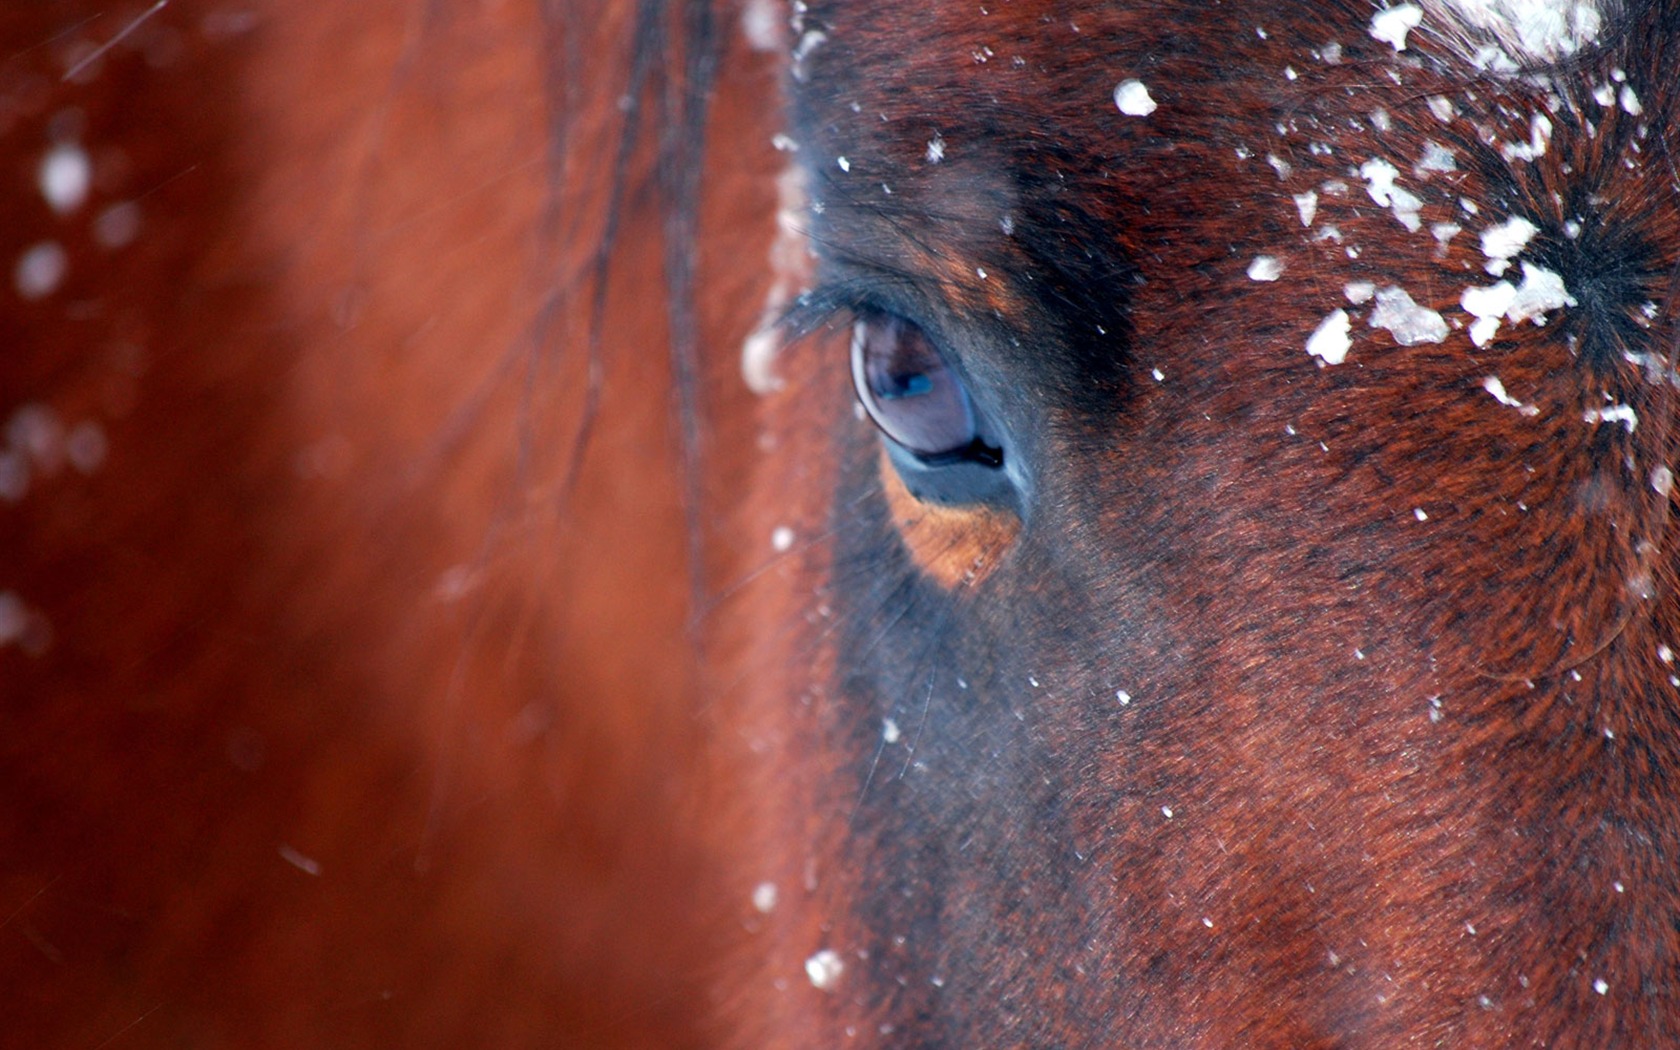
329 596
954 546
377 690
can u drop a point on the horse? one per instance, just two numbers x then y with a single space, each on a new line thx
1015 523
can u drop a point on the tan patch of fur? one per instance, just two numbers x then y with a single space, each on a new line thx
974 287
952 545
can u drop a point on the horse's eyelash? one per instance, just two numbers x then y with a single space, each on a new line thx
822 306
852 296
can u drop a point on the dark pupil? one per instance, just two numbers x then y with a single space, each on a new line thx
909 391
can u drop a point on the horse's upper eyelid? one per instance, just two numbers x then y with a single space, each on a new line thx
830 302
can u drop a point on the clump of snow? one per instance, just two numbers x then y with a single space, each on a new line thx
299 860
758 355
761 24
1623 414
1307 205
809 41
1436 157
1504 242
1533 30
1133 99
1497 390
790 263
40 270
1379 178
1410 323
1540 292
1265 268
1539 138
1487 306
1491 58
1392 24
1329 341
65 176
824 969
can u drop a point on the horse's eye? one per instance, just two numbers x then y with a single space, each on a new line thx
913 395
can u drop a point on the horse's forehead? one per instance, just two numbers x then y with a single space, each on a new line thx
1060 76
944 128
1085 80
1155 131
